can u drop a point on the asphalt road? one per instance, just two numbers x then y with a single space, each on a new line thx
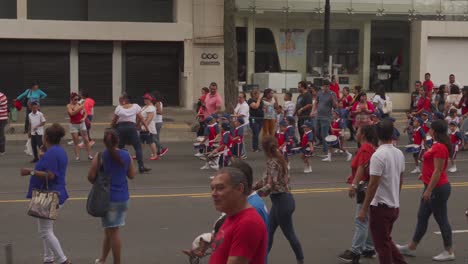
171 206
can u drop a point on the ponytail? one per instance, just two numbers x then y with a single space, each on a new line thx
111 140
440 133
270 147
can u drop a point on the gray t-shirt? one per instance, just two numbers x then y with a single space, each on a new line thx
325 104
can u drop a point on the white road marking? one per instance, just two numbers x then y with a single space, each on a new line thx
453 232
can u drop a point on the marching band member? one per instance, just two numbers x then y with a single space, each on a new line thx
419 138
307 145
238 137
337 126
456 140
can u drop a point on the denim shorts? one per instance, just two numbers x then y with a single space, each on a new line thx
77 128
147 138
116 215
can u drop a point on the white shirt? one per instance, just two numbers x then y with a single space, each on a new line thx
388 163
127 115
289 108
145 111
379 101
158 118
35 120
242 110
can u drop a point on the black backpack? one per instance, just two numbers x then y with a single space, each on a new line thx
98 202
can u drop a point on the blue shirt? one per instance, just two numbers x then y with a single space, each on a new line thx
55 160
35 95
118 175
257 202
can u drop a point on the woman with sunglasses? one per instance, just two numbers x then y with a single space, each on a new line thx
78 126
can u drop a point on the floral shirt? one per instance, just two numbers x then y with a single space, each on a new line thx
274 179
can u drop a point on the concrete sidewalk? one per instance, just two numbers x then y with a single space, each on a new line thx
177 122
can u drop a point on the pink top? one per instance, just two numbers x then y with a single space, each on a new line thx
88 106
212 102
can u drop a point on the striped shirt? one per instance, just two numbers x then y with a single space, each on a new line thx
3 107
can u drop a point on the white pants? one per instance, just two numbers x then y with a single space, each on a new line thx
52 249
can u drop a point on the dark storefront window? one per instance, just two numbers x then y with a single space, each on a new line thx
7 8
390 55
344 47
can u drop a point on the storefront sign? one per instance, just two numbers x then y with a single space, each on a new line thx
209 59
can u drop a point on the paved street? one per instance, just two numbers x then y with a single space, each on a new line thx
171 206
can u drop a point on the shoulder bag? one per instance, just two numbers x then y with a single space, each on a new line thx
387 106
98 202
44 203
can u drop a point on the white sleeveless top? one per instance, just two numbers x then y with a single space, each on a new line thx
158 118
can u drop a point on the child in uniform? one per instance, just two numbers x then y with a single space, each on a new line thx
419 138
456 141
238 137
307 145
337 126
210 134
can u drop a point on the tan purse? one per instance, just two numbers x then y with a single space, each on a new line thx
44 203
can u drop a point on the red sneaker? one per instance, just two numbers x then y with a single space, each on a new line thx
154 158
163 152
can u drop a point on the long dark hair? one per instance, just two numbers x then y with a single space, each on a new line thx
111 140
370 134
361 94
440 133
465 95
270 148
381 91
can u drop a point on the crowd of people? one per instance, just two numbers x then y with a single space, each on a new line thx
325 118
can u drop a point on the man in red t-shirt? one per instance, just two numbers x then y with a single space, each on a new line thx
242 239
428 84
335 86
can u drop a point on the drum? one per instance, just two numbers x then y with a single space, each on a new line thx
295 151
198 145
200 139
429 141
307 152
413 148
331 140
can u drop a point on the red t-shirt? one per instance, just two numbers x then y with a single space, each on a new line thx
362 157
347 101
418 136
429 84
424 103
241 235
335 87
464 106
437 151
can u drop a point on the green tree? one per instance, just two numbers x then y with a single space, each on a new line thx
230 56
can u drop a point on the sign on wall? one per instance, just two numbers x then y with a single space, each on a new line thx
292 42
208 58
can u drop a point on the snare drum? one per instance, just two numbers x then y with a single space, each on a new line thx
295 151
198 145
200 139
413 148
429 141
331 140
307 152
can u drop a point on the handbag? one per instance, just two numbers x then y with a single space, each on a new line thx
44 203
98 202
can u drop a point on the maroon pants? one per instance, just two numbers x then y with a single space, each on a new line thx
381 223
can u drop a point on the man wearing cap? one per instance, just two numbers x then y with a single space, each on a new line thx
326 101
213 101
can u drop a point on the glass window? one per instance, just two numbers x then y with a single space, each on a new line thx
390 45
7 9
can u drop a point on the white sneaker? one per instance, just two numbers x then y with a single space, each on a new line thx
199 154
404 250
70 143
336 150
444 256
214 167
416 170
289 166
307 169
349 156
206 167
310 169
453 169
97 261
327 159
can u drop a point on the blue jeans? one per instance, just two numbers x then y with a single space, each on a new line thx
437 206
362 239
323 126
256 126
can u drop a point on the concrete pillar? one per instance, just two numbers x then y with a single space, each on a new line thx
186 78
118 85
418 49
365 53
74 67
22 9
250 48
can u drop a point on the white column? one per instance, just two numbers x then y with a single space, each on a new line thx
74 67
365 53
22 9
186 78
250 49
117 72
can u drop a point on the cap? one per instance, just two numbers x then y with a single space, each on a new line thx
283 123
226 126
425 113
148 96
307 124
215 116
226 116
208 119
290 119
241 120
420 121
439 115
453 123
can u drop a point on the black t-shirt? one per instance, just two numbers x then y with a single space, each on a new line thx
255 112
303 100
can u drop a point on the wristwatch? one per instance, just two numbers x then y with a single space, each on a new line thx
32 173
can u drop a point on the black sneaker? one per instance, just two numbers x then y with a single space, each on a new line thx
349 257
144 169
369 254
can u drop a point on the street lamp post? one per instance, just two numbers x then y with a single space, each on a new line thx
326 39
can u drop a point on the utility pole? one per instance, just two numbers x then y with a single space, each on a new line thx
326 39
230 56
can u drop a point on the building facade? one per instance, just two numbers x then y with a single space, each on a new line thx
176 47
